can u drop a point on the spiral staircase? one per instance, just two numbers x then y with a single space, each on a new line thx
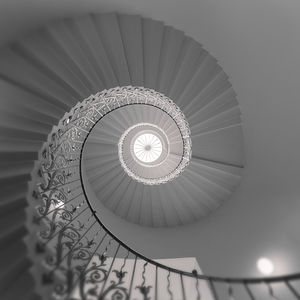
69 91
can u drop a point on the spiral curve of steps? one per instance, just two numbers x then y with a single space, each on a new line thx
46 73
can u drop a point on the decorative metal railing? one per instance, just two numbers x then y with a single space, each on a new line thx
82 259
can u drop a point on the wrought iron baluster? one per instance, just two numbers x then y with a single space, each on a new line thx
74 120
55 195
213 289
132 277
43 210
73 247
197 285
106 248
143 273
60 168
143 288
59 260
124 261
82 272
292 289
182 288
169 286
230 292
78 141
249 292
80 128
58 206
115 287
59 185
271 292
197 289
156 274
111 265
80 117
66 225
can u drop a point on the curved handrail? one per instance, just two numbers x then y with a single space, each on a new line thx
246 280
82 119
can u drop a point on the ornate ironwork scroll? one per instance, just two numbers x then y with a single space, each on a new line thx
79 251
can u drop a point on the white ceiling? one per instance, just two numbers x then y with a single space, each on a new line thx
257 43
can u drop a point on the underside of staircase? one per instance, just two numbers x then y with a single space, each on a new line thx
44 74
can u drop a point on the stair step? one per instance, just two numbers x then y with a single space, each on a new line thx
13 181
153 33
14 218
18 156
45 74
12 144
131 31
7 207
88 29
16 231
11 93
109 32
13 169
170 51
21 286
18 266
11 253
18 133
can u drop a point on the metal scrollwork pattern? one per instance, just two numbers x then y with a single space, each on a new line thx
73 257
80 261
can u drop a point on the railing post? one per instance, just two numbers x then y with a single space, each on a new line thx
249 292
182 287
271 292
132 277
292 289
169 286
213 289
111 265
89 261
156 273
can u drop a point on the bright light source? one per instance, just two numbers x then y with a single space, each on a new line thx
265 266
147 147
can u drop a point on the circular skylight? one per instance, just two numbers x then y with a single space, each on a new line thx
147 147
158 151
